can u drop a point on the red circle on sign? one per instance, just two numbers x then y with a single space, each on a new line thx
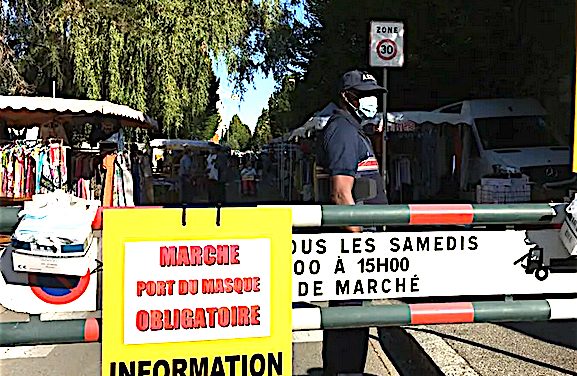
69 294
384 43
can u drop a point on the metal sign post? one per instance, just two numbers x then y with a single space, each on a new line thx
385 123
386 50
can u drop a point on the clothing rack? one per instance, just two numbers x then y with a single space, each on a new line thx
31 166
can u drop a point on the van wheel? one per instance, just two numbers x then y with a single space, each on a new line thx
541 273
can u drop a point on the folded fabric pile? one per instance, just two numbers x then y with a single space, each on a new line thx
55 220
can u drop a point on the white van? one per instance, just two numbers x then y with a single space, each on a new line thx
459 144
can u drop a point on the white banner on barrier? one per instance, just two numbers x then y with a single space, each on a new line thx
419 264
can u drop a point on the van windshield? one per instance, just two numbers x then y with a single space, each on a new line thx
515 132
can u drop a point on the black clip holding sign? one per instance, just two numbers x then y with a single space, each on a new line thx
218 207
183 218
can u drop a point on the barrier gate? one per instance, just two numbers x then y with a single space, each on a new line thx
427 251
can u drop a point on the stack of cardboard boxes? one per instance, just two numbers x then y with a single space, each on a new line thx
504 190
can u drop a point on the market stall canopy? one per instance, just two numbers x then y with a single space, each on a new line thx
396 121
315 123
179 143
18 111
409 120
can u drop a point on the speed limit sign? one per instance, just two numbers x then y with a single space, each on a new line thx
386 44
387 49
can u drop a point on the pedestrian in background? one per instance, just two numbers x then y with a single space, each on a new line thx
216 169
185 176
248 180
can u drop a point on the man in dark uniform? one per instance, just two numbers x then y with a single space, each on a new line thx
348 156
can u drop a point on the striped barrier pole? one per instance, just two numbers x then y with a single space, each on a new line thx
433 313
423 214
380 215
37 332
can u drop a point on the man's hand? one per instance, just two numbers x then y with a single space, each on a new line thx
342 194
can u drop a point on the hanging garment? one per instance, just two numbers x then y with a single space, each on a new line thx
125 183
40 161
3 173
30 176
18 173
122 182
10 177
108 190
28 168
47 183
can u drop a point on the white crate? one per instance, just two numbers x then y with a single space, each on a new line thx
502 191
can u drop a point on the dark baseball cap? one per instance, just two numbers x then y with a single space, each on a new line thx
360 81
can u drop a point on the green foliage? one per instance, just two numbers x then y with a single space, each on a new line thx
280 107
210 126
262 132
205 124
11 81
153 55
238 134
453 50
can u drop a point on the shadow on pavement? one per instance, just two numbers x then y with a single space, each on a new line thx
499 351
319 372
560 333
313 372
406 354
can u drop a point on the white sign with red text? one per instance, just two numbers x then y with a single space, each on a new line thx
179 291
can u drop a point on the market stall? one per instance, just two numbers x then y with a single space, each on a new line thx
283 160
60 160
309 180
166 156
78 146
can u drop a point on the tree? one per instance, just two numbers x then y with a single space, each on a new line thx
206 123
238 134
11 81
280 106
262 132
211 124
453 50
153 55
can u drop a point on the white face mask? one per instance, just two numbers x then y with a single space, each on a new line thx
368 107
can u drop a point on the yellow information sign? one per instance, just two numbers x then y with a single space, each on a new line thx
210 297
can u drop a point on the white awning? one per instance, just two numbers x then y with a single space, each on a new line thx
316 123
421 117
16 111
180 143
397 121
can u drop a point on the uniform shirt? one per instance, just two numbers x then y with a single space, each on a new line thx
346 150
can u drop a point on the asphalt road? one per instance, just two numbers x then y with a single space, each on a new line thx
469 349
